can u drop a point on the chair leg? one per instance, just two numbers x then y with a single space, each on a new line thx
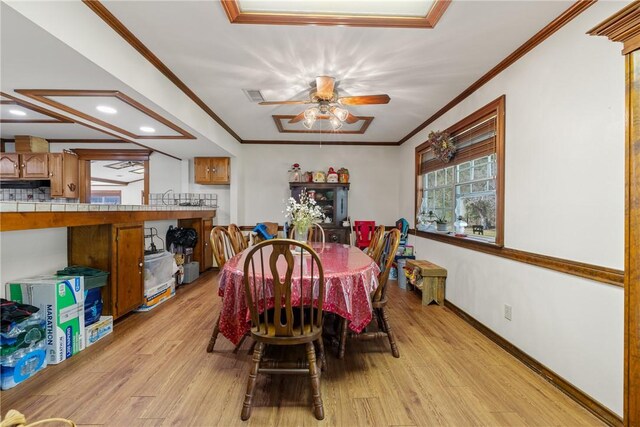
390 335
214 335
318 408
323 359
251 384
235 350
343 339
378 314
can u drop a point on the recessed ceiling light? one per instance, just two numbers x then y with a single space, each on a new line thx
106 109
18 112
147 129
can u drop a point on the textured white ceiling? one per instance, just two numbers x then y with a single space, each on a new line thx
420 69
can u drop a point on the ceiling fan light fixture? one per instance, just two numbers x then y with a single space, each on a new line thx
311 113
336 123
308 122
340 113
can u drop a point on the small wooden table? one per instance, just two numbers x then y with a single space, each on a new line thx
431 282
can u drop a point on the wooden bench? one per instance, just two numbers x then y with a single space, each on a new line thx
429 278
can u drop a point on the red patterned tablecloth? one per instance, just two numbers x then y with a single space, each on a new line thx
350 278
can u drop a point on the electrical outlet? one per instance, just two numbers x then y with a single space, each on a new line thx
507 311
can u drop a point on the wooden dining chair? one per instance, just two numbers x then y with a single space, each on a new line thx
315 235
238 240
374 250
222 248
378 301
296 318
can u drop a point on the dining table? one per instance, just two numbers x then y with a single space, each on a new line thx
350 278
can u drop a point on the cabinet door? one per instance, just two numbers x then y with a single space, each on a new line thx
35 165
219 172
202 170
207 254
128 266
56 174
70 174
9 165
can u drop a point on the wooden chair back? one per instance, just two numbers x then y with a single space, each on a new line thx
221 245
375 247
238 240
314 235
285 277
364 232
391 243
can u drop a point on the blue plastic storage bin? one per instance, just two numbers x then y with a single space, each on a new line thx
92 306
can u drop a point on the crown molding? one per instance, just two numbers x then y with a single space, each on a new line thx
623 27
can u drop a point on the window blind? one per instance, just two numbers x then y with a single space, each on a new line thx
474 140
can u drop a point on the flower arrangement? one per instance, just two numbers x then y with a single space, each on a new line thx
439 220
442 146
303 213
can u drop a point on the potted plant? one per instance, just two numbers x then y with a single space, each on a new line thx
303 214
441 222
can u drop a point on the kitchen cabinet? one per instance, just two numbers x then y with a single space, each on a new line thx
63 172
24 165
332 198
211 170
118 249
202 252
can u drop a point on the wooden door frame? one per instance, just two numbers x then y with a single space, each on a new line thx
86 155
624 27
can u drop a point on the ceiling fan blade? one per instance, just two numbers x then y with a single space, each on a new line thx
364 100
351 119
297 118
324 87
283 102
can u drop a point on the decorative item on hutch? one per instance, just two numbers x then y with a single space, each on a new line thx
442 146
318 176
307 177
294 173
332 176
343 175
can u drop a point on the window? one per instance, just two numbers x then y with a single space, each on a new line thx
106 197
470 186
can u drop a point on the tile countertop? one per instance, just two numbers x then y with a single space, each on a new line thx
86 207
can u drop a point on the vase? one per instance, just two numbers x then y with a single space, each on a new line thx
441 226
300 234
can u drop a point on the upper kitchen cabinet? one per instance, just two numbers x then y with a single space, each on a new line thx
63 171
24 166
211 170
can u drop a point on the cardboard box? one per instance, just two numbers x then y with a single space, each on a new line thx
31 144
157 295
97 331
61 301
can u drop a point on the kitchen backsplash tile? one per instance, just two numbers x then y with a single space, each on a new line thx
42 194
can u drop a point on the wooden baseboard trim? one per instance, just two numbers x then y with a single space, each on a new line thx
603 413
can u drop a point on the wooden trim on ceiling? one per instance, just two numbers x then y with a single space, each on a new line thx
98 129
590 404
574 10
623 27
55 117
110 19
44 96
78 141
236 16
596 273
285 142
279 119
110 154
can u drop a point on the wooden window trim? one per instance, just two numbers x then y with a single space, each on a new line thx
498 107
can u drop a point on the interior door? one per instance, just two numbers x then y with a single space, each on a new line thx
128 266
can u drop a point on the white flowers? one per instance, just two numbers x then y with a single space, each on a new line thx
303 213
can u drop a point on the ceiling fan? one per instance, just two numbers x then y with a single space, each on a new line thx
328 105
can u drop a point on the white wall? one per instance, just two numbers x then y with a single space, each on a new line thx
564 197
130 194
373 194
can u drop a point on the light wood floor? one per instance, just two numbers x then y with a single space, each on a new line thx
153 370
